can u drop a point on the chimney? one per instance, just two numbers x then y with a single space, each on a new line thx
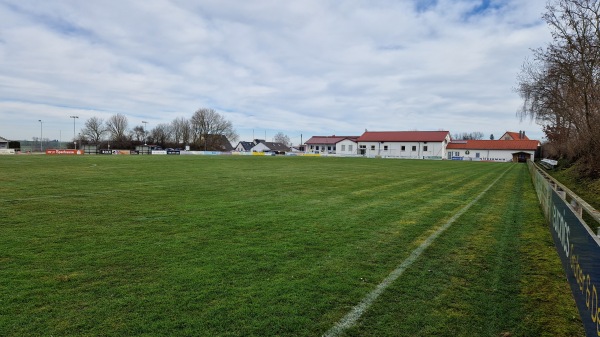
523 134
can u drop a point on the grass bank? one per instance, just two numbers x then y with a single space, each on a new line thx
587 189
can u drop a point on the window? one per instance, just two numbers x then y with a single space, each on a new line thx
425 148
311 147
363 146
403 148
476 154
414 148
372 147
329 148
456 154
317 148
343 148
385 148
350 148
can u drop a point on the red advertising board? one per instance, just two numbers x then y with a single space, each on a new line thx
66 151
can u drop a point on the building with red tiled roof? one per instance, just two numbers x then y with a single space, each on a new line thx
404 144
493 150
342 145
508 135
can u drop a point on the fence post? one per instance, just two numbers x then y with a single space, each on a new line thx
577 207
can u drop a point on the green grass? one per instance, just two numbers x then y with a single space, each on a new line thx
587 189
260 246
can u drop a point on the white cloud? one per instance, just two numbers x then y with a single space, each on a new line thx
310 67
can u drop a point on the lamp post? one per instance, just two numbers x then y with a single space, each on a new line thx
41 135
74 139
145 131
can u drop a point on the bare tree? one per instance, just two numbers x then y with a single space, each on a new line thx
280 137
186 132
161 134
178 129
561 86
468 136
94 130
139 133
117 127
207 128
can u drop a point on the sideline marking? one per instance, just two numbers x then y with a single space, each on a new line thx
359 309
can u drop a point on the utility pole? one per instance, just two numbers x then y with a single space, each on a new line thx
41 135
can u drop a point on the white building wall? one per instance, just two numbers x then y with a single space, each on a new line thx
321 148
486 155
239 148
260 147
413 150
347 147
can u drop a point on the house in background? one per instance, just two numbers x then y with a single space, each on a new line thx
270 147
244 146
217 143
493 150
3 143
508 135
404 144
332 145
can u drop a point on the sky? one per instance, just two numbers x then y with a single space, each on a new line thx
303 68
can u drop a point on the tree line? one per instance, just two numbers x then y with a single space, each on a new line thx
204 130
560 86
475 135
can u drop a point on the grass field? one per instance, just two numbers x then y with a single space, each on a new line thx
265 246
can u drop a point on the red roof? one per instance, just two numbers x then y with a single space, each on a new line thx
529 145
328 139
403 136
514 136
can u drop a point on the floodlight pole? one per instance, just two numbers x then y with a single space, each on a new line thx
145 131
41 135
74 138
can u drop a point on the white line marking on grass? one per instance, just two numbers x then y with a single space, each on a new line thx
359 309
